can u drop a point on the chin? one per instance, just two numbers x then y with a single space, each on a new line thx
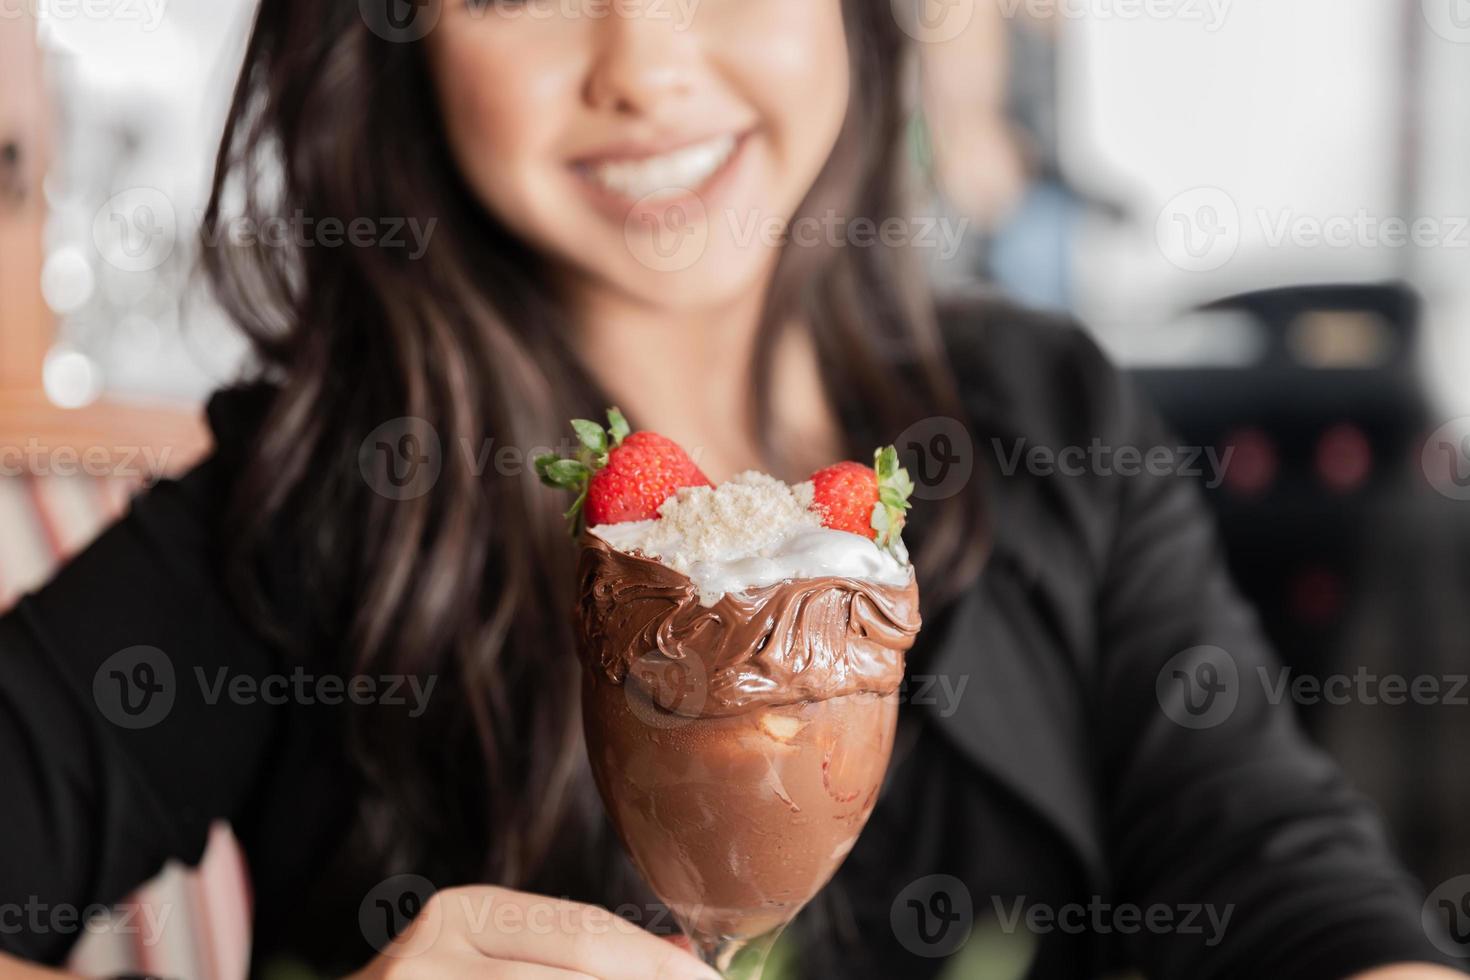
719 276
693 292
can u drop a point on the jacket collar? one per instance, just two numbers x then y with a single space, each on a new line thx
1021 718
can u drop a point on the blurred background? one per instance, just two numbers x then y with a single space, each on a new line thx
1262 209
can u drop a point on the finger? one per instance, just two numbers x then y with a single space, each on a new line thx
474 966
524 928
510 970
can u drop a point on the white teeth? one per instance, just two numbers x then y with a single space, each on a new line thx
667 175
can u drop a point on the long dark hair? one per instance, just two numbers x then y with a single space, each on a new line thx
470 582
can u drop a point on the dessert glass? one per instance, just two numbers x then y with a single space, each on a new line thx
739 747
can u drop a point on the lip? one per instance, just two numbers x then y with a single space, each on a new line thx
641 149
621 208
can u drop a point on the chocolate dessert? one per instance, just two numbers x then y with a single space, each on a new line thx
739 747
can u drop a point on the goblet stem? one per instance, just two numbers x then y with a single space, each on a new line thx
739 959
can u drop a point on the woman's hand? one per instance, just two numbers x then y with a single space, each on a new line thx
13 969
487 932
1410 971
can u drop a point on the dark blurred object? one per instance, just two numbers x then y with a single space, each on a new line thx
14 188
1321 432
1358 567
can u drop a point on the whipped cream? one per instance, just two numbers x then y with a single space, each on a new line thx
749 532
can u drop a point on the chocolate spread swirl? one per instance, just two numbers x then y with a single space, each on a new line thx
801 640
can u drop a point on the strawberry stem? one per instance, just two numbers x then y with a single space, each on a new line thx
574 474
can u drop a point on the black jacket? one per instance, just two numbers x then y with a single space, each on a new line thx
1091 773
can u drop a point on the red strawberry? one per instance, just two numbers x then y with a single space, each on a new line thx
641 473
619 476
844 494
870 501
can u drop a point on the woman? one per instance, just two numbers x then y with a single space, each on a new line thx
560 277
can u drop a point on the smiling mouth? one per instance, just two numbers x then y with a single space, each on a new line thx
664 176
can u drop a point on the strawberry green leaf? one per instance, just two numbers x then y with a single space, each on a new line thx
902 485
891 497
894 488
617 426
590 434
880 519
885 462
570 474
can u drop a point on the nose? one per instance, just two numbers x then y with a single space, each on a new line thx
645 57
